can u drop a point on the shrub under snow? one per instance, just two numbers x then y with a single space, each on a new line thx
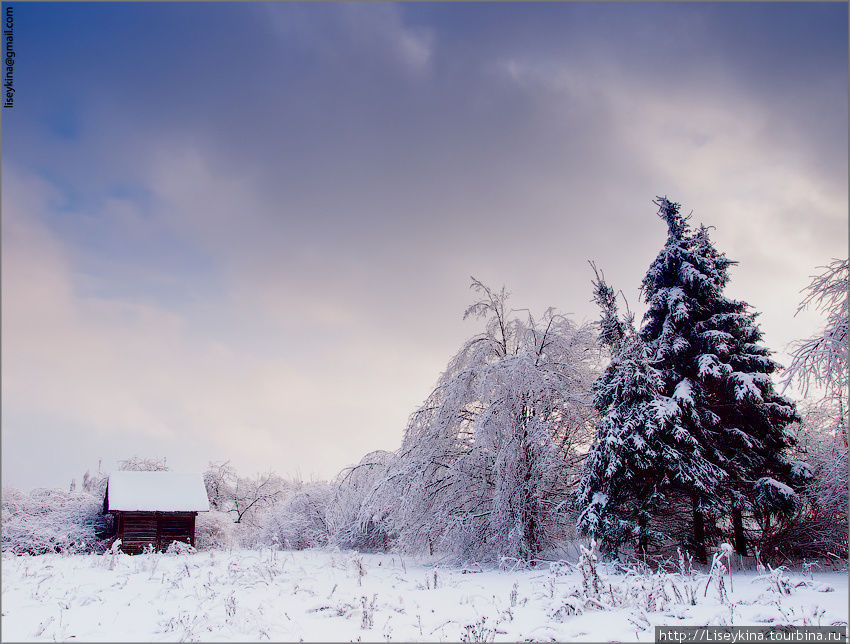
47 520
347 525
818 527
300 521
214 530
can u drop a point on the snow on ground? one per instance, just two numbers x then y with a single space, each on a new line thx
345 596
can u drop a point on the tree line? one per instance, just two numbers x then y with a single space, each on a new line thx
674 433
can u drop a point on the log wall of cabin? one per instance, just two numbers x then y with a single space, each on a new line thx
140 529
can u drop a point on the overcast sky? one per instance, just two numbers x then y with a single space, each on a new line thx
246 231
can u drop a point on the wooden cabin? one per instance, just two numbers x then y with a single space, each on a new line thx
154 508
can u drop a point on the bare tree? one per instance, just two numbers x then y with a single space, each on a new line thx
243 497
821 360
253 494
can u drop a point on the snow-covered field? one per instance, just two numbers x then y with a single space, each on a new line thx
345 596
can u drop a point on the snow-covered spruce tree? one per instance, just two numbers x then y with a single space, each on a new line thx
706 348
643 450
488 457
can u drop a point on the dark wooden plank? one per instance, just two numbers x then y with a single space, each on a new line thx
138 530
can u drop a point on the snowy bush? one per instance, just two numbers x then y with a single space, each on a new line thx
819 365
180 548
261 511
52 521
214 530
299 522
348 526
826 457
818 528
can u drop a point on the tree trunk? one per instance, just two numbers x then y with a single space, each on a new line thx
699 534
530 535
642 541
738 529
527 511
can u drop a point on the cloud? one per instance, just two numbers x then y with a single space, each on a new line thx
122 370
746 166
359 33
276 272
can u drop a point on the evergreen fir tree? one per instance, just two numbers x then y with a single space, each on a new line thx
643 449
706 349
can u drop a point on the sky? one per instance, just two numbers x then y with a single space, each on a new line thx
246 231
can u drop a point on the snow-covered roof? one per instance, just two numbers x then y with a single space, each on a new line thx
156 492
